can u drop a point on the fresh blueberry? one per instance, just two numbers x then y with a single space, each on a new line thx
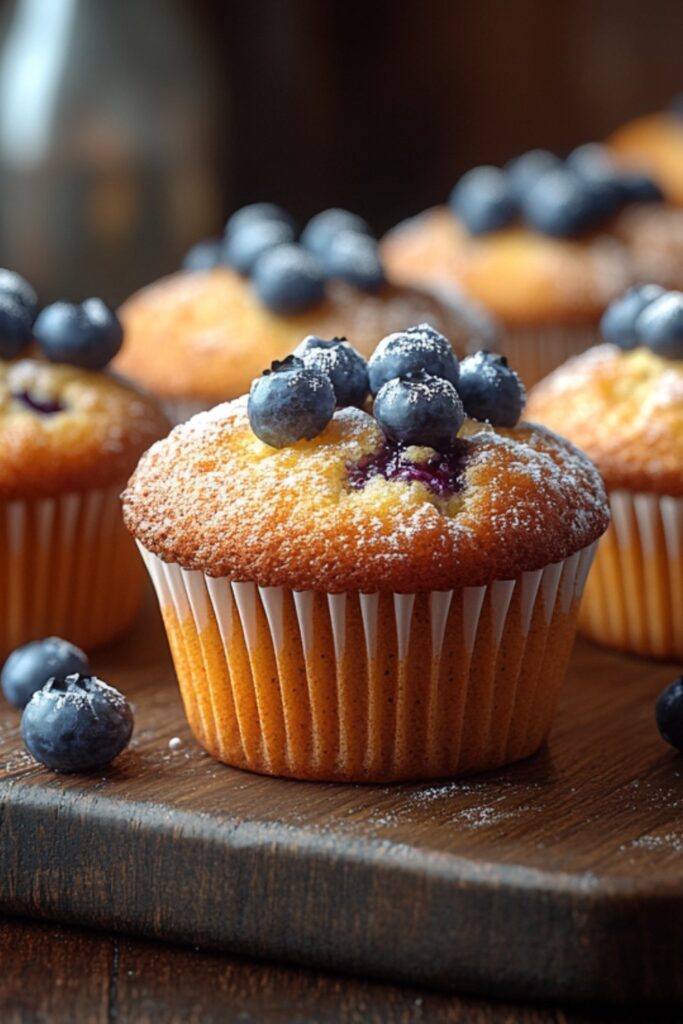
244 247
354 258
290 403
669 714
593 163
490 390
288 279
257 213
29 667
20 290
484 200
205 255
76 723
525 170
87 335
418 348
15 326
345 367
325 226
618 324
640 188
561 203
660 325
420 409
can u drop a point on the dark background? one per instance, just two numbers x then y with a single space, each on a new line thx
168 114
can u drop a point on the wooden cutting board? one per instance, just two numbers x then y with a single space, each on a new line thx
561 877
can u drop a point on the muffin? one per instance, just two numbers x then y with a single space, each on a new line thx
654 143
544 245
369 597
200 336
69 439
622 403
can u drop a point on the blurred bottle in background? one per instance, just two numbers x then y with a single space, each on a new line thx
111 126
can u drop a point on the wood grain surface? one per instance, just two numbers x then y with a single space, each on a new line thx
559 878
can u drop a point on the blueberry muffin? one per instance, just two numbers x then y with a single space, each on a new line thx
622 403
200 336
369 595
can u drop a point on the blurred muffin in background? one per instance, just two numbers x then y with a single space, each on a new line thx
654 143
200 336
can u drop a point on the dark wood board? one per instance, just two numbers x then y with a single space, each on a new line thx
559 878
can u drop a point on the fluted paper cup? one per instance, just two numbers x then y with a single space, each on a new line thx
370 687
634 594
68 567
537 351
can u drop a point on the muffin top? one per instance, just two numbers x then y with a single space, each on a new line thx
350 510
65 429
625 410
208 334
654 143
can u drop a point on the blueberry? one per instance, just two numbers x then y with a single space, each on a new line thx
660 325
244 247
618 324
77 723
483 200
525 170
288 279
354 258
419 409
593 163
257 213
669 714
20 290
290 403
87 335
640 188
205 255
29 667
490 390
418 348
561 203
345 367
324 227
15 326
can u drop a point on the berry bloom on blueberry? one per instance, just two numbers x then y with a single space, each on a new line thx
87 335
290 403
342 363
490 390
322 229
420 409
29 667
618 323
419 348
288 279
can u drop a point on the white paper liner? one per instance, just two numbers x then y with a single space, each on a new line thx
634 597
61 570
179 410
534 352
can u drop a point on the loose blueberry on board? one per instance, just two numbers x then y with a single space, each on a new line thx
288 279
20 290
290 403
244 246
420 409
490 390
562 204
342 363
29 667
669 714
483 200
325 226
205 255
419 348
525 170
16 323
660 325
77 723
354 258
87 335
618 324
258 213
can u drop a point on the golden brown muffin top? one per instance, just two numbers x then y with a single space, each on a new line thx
65 430
625 410
522 276
654 143
206 334
213 497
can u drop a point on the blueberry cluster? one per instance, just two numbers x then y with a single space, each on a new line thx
289 271
646 315
72 721
557 197
88 334
421 393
